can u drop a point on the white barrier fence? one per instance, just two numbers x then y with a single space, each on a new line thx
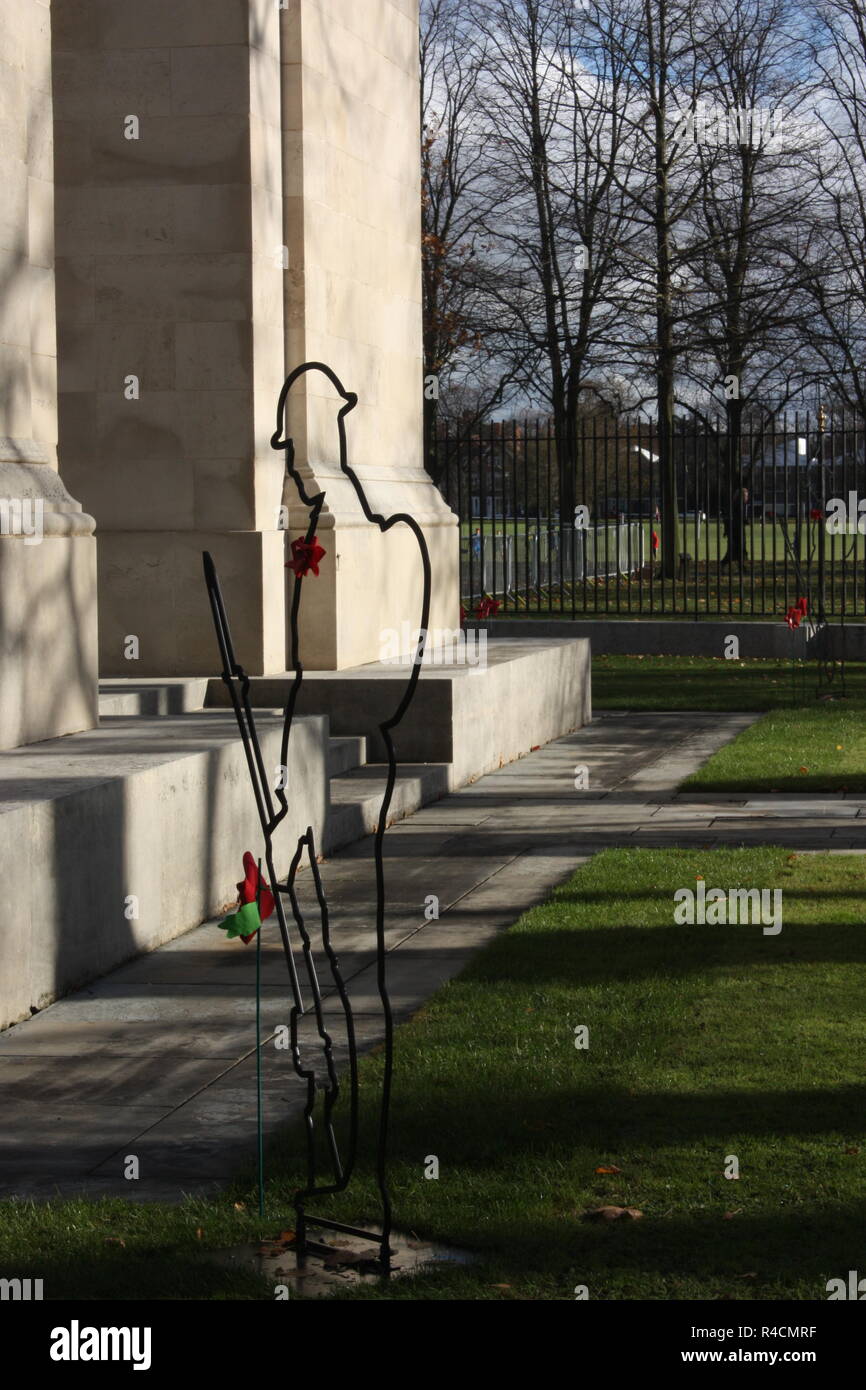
522 563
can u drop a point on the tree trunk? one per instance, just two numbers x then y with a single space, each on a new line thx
666 359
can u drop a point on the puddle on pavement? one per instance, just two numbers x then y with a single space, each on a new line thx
349 1261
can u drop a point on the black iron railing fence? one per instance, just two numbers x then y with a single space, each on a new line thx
759 523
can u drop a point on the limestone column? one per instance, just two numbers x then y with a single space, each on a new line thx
170 305
238 189
353 300
47 550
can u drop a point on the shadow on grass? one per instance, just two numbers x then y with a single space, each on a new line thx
599 955
487 1127
516 1196
787 1255
802 783
701 683
160 1273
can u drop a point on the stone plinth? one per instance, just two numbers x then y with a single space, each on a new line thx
474 719
120 839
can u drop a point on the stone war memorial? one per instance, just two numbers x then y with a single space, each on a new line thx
432 671
200 199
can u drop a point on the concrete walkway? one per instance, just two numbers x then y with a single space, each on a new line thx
157 1059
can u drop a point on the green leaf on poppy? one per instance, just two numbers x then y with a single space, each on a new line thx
245 922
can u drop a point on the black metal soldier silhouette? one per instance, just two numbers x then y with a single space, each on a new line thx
306 554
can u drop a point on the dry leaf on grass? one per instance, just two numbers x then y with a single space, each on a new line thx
612 1214
608 1168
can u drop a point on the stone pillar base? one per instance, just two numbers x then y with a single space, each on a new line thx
48 675
370 587
151 587
48 672
370 583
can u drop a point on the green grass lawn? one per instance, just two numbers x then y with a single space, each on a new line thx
114 1249
713 683
704 1042
815 745
765 540
817 749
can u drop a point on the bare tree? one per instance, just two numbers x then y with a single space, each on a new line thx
454 165
656 44
839 252
556 226
750 274
580 231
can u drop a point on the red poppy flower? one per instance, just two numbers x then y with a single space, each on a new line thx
655 541
250 914
803 605
816 514
305 557
793 618
488 607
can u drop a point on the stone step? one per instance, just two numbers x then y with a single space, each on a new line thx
356 798
345 754
119 839
152 698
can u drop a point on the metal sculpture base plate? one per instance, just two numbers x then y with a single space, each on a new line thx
340 1262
